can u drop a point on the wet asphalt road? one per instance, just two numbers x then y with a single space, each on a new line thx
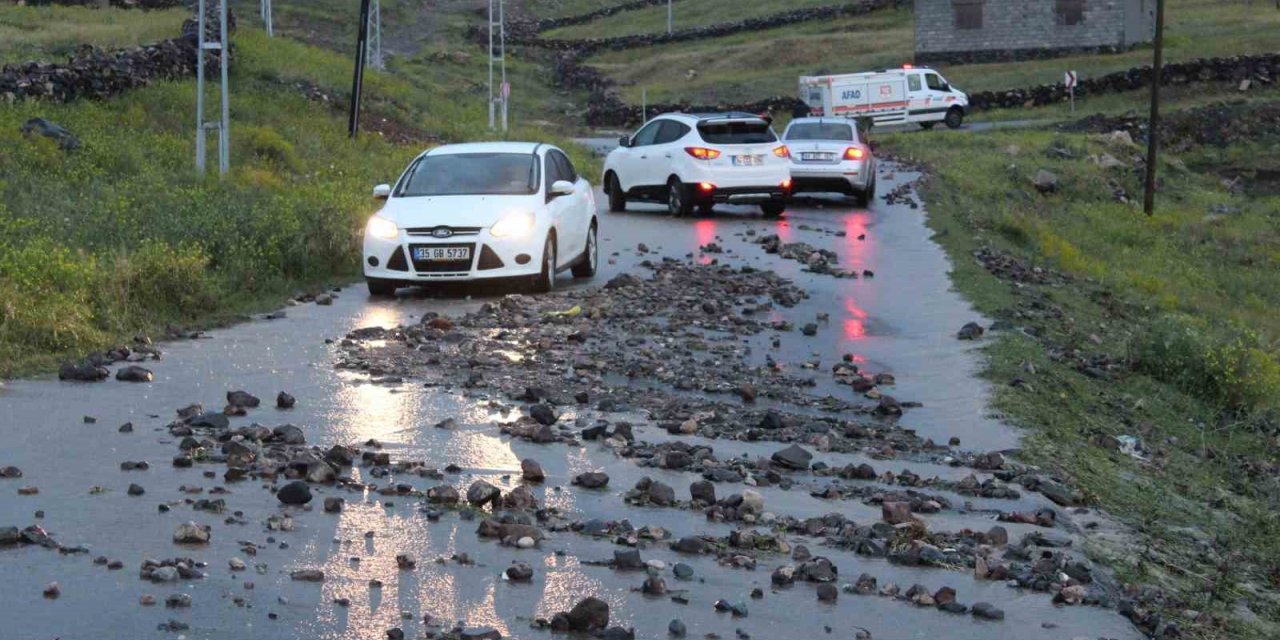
903 320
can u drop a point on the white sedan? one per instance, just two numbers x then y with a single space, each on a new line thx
481 211
828 155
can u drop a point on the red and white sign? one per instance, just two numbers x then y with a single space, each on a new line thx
1070 80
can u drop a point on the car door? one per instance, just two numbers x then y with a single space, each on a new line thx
666 149
938 94
635 158
558 208
573 237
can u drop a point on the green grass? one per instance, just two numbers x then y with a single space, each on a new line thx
746 67
1188 295
561 8
685 15
52 33
122 236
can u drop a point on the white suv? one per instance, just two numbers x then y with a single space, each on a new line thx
696 160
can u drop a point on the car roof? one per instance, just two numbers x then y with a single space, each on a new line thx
820 119
487 147
719 115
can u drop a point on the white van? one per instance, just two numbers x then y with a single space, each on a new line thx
888 96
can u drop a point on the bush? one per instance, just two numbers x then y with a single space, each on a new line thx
270 146
1222 363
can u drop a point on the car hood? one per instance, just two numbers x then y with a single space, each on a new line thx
456 211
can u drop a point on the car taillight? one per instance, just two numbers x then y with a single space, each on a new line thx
854 153
782 152
706 186
702 153
786 184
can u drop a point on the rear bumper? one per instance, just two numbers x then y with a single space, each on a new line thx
744 195
845 177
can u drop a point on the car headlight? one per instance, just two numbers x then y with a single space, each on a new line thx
382 228
513 226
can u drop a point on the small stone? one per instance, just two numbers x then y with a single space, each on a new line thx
592 479
285 401
307 575
236 564
531 471
519 572
827 592
52 590
294 493
333 505
987 611
191 533
526 542
590 614
676 629
136 490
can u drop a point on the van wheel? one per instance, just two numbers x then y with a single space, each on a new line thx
380 288
617 199
954 119
679 200
926 125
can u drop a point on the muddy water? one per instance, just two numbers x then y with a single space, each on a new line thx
903 321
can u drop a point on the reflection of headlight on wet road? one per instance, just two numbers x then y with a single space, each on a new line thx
382 228
513 226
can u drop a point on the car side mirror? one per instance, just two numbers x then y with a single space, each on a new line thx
561 188
624 141
382 191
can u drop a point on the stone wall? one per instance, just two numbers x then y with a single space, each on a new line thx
96 74
1029 25
119 4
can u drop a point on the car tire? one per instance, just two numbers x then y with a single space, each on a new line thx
706 208
679 200
617 199
545 281
381 288
586 266
871 192
926 125
954 118
773 208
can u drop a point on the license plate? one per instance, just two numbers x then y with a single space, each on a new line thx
748 161
816 156
441 254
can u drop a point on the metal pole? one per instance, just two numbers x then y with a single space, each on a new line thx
265 9
224 131
644 104
374 55
490 54
1149 197
502 51
669 22
200 141
357 76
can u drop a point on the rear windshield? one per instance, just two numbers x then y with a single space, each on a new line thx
471 174
736 132
820 131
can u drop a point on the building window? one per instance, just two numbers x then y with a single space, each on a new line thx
968 13
1069 12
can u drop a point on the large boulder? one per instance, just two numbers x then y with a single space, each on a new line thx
294 493
590 614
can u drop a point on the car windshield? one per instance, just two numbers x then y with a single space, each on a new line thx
820 131
471 174
736 132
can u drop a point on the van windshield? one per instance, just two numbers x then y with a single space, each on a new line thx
736 132
471 174
820 131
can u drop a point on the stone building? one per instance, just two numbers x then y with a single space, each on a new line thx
977 30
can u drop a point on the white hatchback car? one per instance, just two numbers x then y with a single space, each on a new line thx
480 211
827 155
697 160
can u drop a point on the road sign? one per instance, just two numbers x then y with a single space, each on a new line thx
506 90
1071 80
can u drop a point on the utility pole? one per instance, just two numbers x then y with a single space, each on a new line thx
503 91
669 21
375 36
223 124
265 11
357 79
1153 128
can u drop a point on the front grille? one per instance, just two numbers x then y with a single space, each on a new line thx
488 259
453 231
443 266
398 262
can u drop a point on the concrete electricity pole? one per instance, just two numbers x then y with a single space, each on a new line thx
1153 128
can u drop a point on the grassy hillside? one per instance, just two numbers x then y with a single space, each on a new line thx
685 14
51 33
121 236
1162 328
750 66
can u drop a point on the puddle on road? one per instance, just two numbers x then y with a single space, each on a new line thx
902 321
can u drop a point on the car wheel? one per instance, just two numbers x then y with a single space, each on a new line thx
586 266
773 208
926 125
705 208
679 203
617 199
954 119
545 281
382 288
